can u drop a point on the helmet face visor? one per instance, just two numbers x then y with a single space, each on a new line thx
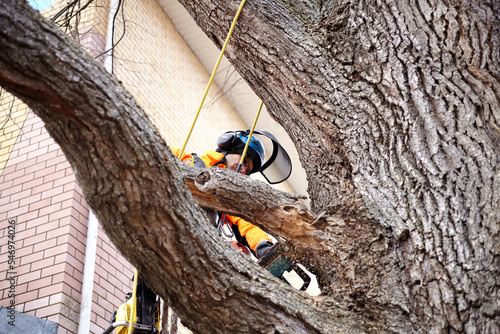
279 158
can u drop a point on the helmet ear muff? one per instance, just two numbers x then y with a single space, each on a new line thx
227 140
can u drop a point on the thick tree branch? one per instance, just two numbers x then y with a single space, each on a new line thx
394 109
129 179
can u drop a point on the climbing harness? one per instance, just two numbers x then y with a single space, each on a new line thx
224 226
214 71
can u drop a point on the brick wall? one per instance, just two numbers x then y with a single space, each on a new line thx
39 192
158 67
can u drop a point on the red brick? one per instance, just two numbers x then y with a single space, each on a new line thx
63 239
60 258
47 291
71 250
60 213
42 219
79 244
115 300
82 208
58 232
36 304
38 124
22 288
54 147
62 197
50 209
63 165
43 263
59 278
43 187
78 273
12 190
55 251
54 191
23 179
80 256
33 133
76 293
45 142
57 159
67 324
37 238
27 216
40 283
94 329
20 195
39 246
9 206
42 172
103 323
14 175
49 226
32 258
26 297
30 199
26 149
106 285
79 230
54 176
9 169
17 212
36 183
69 178
49 158
56 298
31 276
100 291
105 304
38 152
34 168
16 159
25 164
47 311
23 251
54 270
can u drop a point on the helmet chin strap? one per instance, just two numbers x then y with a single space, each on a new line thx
249 138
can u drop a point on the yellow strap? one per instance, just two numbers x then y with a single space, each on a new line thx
249 137
133 316
213 75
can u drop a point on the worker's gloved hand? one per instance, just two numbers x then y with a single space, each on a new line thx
262 248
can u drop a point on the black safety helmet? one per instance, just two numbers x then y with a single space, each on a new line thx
234 142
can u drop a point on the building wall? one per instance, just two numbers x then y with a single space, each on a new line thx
168 80
39 193
38 189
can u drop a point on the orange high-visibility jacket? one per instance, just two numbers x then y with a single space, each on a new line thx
252 234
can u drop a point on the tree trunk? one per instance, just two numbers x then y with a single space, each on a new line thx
394 110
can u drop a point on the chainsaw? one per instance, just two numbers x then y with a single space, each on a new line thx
147 308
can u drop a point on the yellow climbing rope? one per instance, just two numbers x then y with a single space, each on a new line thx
212 76
249 137
133 315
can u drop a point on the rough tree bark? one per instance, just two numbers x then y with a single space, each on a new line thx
394 107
